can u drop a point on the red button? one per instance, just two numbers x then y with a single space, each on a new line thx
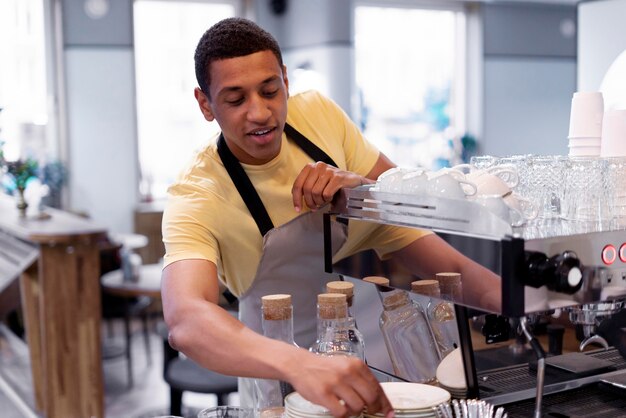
609 254
622 253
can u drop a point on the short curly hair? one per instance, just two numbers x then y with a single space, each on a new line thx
231 38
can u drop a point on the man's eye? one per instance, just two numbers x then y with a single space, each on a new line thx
271 93
234 102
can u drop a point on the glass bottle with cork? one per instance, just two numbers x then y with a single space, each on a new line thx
347 288
407 334
450 286
440 315
333 328
277 323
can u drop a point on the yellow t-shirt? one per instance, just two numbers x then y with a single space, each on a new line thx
205 217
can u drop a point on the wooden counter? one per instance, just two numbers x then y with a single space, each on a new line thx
61 301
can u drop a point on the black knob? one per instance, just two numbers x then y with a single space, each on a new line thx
560 273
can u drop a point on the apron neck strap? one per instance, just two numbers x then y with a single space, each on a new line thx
243 184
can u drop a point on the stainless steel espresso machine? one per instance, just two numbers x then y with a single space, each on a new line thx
547 268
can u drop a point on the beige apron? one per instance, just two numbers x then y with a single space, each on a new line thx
292 261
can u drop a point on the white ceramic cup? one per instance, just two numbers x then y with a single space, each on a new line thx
488 184
391 180
415 182
506 172
614 134
496 205
586 115
449 185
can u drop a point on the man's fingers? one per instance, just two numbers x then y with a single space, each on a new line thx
297 191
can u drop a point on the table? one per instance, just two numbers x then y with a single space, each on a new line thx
149 283
61 303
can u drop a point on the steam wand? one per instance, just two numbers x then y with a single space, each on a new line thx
541 364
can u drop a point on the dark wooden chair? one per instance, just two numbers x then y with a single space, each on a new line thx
124 308
182 374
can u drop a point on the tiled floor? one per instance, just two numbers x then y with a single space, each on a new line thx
147 398
149 395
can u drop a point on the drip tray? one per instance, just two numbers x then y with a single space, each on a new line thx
593 401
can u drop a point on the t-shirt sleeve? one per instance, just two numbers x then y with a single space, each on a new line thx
184 226
360 154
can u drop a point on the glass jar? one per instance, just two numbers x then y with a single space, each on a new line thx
408 337
441 316
337 334
277 324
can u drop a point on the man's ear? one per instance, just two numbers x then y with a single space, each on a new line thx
205 105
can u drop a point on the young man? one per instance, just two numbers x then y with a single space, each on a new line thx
248 211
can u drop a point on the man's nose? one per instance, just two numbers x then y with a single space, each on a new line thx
258 110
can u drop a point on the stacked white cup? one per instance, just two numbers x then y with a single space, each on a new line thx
585 125
614 147
614 133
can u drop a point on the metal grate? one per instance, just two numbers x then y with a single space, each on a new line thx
513 379
588 401
613 356
518 378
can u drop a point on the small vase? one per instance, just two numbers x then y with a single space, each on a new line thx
21 203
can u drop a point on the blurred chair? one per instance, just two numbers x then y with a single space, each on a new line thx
182 374
125 308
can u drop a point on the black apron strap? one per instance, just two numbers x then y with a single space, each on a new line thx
307 146
243 184
244 187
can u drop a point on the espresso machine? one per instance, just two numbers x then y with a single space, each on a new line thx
547 269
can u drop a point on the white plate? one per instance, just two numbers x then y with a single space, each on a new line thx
450 372
295 404
417 397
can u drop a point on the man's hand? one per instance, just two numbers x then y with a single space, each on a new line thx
318 182
344 385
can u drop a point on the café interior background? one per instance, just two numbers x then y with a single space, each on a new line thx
513 69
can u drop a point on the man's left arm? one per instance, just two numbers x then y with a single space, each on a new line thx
429 255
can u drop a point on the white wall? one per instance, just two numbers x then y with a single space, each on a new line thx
102 126
318 32
101 116
601 39
529 78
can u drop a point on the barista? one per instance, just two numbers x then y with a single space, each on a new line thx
248 211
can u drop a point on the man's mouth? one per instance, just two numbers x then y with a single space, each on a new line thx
262 136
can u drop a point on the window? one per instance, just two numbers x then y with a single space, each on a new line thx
23 93
410 81
170 126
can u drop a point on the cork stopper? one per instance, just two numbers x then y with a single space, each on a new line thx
426 287
379 280
395 300
276 307
332 305
345 288
450 286
448 278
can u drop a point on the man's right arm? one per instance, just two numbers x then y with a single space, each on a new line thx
209 335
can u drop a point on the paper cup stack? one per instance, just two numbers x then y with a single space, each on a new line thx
585 124
614 133
412 400
451 376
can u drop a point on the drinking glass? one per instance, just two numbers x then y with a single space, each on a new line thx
226 412
587 190
616 168
543 184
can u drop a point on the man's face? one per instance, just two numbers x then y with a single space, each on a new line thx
249 101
